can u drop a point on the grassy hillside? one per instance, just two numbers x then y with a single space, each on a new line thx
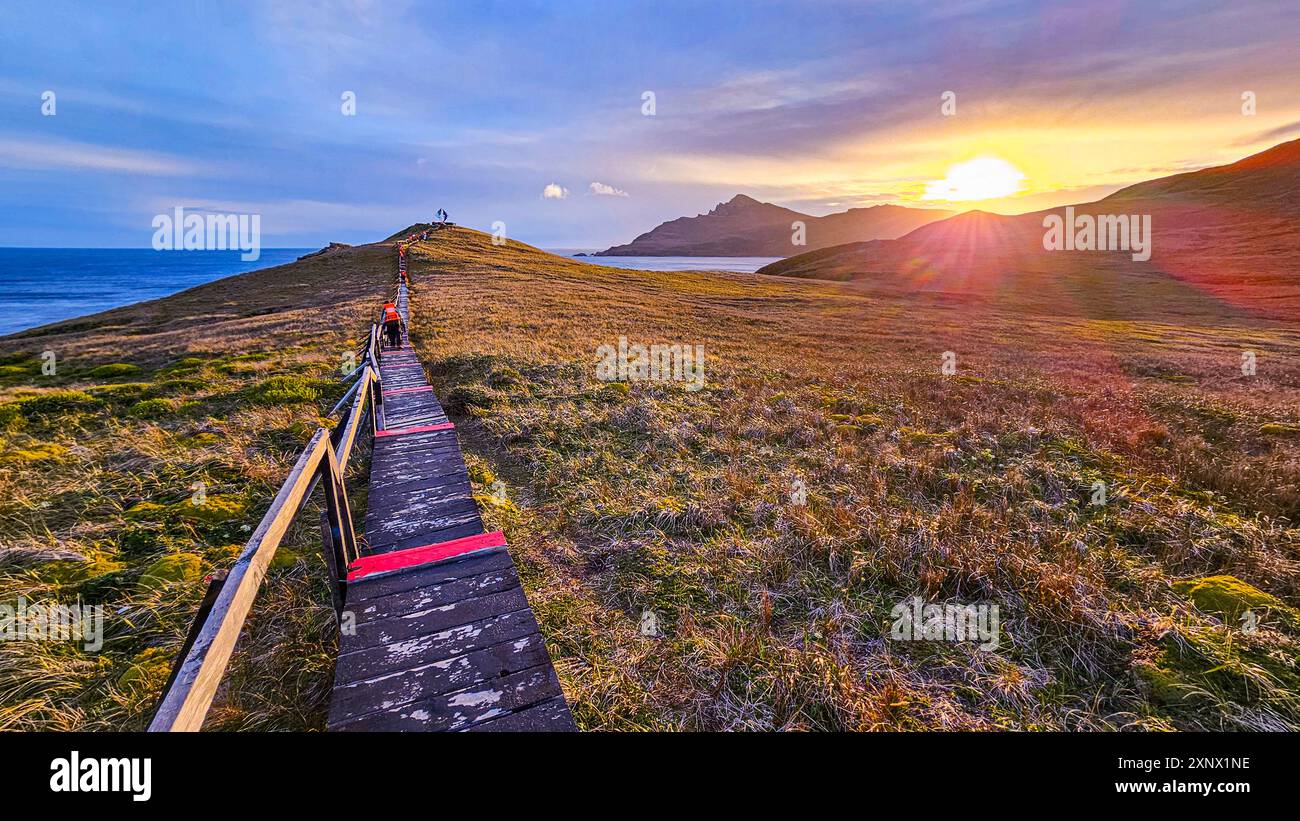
220 385
622 498
626 498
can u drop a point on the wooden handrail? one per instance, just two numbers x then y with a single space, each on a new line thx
194 681
343 451
184 706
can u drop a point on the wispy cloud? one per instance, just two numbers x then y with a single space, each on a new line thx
600 189
1282 132
62 155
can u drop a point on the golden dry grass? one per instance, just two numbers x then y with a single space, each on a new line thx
220 385
622 499
967 488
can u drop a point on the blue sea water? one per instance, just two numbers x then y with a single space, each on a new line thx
43 285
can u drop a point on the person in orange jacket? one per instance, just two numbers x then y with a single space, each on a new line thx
392 325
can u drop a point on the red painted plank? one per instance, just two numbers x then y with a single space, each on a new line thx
416 429
408 390
425 554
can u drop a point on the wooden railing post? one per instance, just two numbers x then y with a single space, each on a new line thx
336 529
215 582
377 404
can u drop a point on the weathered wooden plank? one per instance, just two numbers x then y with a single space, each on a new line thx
421 498
402 483
386 434
358 698
418 440
413 408
401 560
464 708
417 417
466 567
414 525
430 462
395 437
423 597
402 382
403 391
411 397
454 641
436 618
407 407
417 444
420 455
471 525
430 466
547 716
433 461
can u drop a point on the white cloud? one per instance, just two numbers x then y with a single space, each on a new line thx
600 189
552 191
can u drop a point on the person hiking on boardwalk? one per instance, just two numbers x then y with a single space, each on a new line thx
392 325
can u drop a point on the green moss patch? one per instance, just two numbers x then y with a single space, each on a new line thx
286 390
45 452
214 510
54 403
148 670
71 571
116 370
121 392
1230 598
151 408
170 569
1279 429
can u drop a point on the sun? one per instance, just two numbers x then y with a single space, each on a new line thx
983 178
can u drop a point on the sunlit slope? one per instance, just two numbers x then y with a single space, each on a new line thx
1225 238
628 498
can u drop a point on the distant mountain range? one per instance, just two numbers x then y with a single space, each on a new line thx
1230 232
745 227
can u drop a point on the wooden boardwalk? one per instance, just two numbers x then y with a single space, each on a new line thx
444 638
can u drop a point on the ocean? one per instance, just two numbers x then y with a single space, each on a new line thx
742 265
43 285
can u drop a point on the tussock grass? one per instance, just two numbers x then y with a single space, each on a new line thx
99 466
770 522
628 498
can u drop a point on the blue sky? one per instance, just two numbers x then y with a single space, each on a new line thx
478 107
